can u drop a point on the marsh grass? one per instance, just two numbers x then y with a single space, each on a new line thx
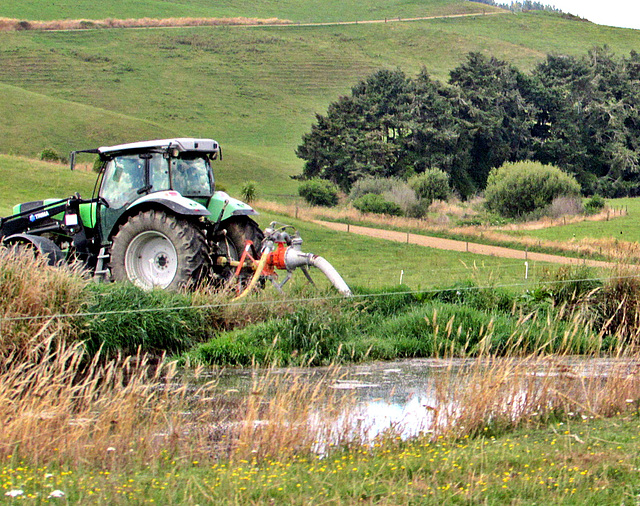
289 413
58 406
32 293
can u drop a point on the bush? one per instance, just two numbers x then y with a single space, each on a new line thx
319 192
565 206
392 190
51 155
374 185
401 194
98 163
432 184
517 189
594 205
372 203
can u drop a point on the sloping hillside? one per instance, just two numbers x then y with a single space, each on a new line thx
299 11
255 89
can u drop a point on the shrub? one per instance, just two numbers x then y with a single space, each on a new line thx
319 192
249 191
392 190
374 185
50 155
98 163
565 206
372 203
401 194
432 184
594 205
517 189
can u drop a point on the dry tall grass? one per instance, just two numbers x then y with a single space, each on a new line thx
505 392
30 292
128 411
9 24
57 407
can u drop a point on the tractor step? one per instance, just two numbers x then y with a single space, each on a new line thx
100 273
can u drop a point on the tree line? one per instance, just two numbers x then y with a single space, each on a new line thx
525 5
581 114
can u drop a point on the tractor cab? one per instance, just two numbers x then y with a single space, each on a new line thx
134 170
140 168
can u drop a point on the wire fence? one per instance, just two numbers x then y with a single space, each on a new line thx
364 296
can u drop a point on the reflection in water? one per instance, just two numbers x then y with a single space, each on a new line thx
406 398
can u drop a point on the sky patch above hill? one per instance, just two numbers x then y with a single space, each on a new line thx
620 13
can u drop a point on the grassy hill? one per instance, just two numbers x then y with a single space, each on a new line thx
254 89
24 180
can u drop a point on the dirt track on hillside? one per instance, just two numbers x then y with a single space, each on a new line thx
464 246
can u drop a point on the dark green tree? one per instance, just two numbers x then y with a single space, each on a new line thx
497 111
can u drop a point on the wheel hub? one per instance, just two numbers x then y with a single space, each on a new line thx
151 260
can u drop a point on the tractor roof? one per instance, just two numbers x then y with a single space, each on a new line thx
181 144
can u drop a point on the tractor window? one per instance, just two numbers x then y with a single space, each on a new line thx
123 177
158 173
190 176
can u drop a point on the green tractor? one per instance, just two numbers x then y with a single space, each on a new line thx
155 219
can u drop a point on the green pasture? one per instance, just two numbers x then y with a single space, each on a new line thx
24 180
294 10
373 263
254 89
624 228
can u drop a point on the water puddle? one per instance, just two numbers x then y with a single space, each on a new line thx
405 396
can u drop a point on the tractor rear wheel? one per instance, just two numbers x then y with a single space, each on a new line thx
154 249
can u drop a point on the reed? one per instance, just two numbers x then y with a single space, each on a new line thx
32 293
56 409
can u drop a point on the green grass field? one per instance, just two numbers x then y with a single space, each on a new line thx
624 228
294 10
24 180
374 263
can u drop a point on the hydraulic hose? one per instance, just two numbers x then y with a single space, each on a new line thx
256 275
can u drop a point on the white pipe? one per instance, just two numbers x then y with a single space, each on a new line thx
293 258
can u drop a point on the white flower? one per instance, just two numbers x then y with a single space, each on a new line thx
14 493
111 449
57 493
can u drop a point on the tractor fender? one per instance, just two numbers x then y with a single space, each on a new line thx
44 246
231 206
172 200
168 200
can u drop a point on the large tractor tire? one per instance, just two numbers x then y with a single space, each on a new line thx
154 249
239 230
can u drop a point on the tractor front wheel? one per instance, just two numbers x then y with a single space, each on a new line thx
237 231
154 249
